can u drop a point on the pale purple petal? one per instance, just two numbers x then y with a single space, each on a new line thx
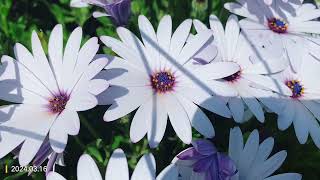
204 147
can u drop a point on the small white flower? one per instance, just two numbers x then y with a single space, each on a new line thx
235 48
286 27
154 77
302 107
48 92
117 169
244 162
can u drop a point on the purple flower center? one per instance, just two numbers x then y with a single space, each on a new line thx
214 165
234 77
296 88
163 81
278 25
58 102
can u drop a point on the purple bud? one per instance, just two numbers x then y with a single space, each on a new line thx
204 147
118 10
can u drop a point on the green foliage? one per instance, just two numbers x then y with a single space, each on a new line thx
19 18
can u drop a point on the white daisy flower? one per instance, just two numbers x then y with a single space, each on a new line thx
302 107
244 162
48 92
154 79
117 169
286 26
234 47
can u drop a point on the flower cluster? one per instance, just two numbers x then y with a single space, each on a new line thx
266 62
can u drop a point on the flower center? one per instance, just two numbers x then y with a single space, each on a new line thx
278 25
162 81
234 77
296 88
58 103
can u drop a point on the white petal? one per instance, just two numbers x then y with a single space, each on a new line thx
266 67
58 136
86 55
28 62
97 86
237 109
117 166
269 83
97 14
157 120
216 70
55 48
315 133
179 119
231 35
81 100
136 96
238 9
145 169
193 46
87 169
41 65
197 118
216 105
295 52
20 85
54 176
286 117
180 36
249 24
17 129
70 56
285 176
271 165
169 173
263 153
235 144
301 123
125 51
78 3
164 32
248 155
252 103
148 36
138 127
218 33
306 27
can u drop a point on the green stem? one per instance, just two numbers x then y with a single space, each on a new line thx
85 122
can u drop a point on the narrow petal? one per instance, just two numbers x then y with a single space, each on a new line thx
87 169
117 163
197 118
237 109
145 169
231 35
179 119
180 36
